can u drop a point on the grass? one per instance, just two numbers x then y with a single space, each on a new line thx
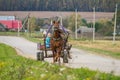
34 37
14 67
101 47
8 33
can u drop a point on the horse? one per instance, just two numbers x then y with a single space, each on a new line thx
57 42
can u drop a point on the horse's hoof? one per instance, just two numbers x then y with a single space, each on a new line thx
55 60
69 57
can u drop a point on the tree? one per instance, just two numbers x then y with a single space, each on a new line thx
84 22
118 22
39 23
65 22
32 24
57 5
118 18
71 22
104 27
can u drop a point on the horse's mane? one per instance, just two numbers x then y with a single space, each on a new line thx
57 34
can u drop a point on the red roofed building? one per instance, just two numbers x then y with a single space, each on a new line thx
11 24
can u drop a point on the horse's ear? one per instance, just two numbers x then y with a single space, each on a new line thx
53 22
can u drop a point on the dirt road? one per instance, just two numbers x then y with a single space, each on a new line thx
80 58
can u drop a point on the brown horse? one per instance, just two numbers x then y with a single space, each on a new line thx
57 42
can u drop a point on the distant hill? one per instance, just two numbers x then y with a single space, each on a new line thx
48 14
58 5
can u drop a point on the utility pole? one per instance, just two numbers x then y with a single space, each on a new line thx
93 24
61 20
51 22
114 33
25 21
75 23
28 27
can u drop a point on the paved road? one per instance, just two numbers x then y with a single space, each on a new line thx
80 58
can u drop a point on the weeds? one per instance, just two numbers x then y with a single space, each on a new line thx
14 67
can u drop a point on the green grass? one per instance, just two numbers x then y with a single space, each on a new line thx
6 51
34 37
14 67
9 33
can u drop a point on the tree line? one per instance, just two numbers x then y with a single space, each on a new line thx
58 5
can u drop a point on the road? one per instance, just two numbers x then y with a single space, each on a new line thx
80 58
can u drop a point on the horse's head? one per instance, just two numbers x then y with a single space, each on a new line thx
56 23
56 26
56 32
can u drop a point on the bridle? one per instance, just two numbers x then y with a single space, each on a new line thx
56 39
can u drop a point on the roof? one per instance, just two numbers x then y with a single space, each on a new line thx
11 24
7 17
85 29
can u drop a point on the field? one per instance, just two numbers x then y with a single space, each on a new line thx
48 14
14 67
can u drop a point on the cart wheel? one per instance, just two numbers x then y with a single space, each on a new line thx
65 57
40 56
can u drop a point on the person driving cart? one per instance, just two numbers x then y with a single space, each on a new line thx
48 40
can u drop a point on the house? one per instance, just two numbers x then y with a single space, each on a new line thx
44 27
84 31
7 17
10 22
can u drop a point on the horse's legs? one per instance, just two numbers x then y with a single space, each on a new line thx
59 55
59 59
53 56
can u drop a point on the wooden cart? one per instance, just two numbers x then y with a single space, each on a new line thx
43 51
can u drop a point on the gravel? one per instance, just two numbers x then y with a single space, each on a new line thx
80 58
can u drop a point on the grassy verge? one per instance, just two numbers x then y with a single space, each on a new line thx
101 47
34 37
101 52
14 67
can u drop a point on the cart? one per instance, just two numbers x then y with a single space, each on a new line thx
43 50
